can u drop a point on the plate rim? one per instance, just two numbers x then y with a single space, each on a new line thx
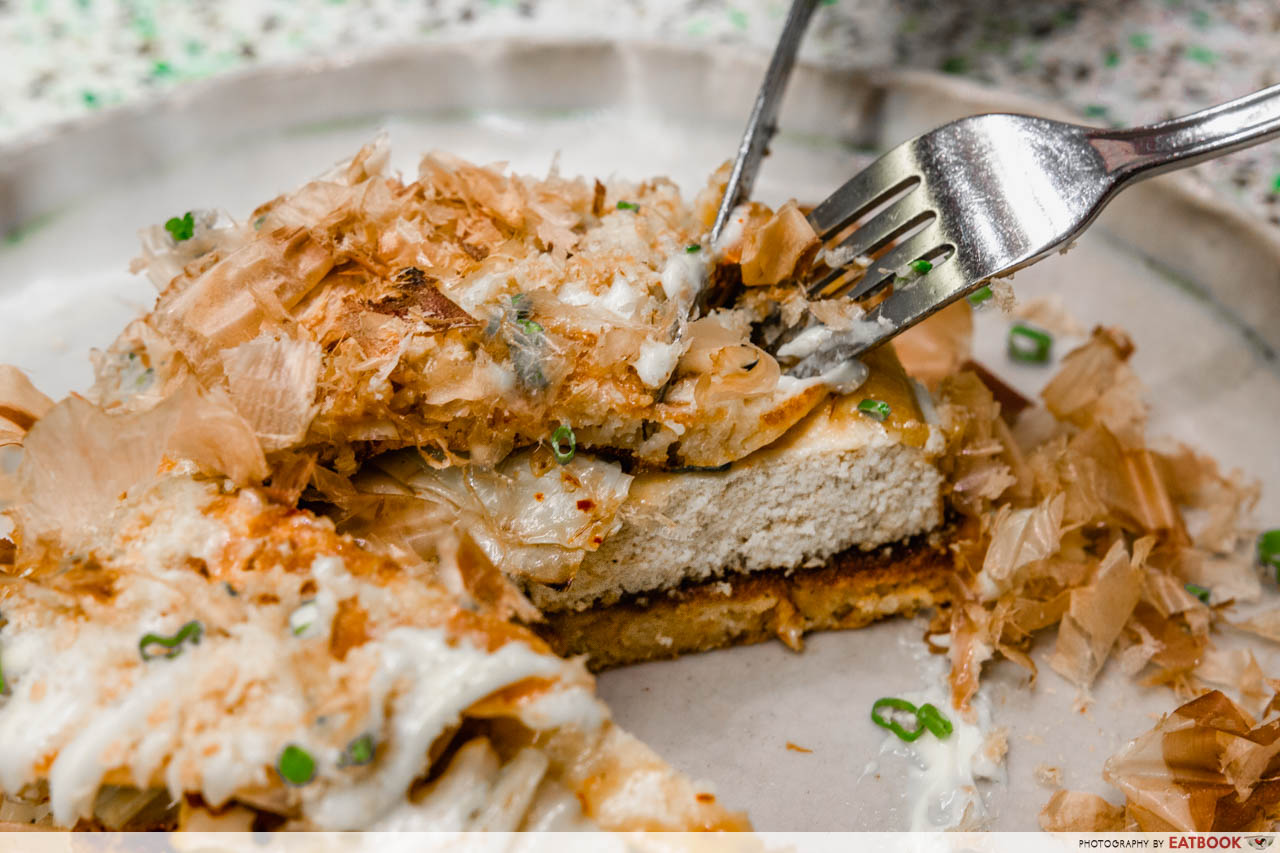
1254 245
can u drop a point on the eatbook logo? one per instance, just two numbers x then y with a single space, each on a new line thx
1260 842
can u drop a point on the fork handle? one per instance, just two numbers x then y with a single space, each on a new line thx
1143 152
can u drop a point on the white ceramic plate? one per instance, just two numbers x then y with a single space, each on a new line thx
1204 317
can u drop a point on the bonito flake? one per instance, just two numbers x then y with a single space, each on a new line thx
468 311
1068 517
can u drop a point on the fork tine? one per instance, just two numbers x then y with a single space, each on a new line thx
915 301
921 245
885 226
862 193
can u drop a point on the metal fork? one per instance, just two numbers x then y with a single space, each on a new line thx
987 195
763 121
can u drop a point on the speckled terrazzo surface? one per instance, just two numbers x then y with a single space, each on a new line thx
1112 62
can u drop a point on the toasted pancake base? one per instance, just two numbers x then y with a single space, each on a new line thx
854 589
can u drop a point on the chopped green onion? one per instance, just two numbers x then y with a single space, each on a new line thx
359 752
1029 345
563 433
874 409
257 223
524 308
1199 53
921 266
174 645
981 295
304 617
928 717
296 766
626 205
4 688
693 247
181 227
1269 550
934 721
893 725
1199 592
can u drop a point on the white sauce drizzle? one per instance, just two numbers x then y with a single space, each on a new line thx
942 780
217 716
428 684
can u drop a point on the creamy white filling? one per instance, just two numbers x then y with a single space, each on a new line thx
475 293
656 361
846 377
806 343
734 229
682 277
622 298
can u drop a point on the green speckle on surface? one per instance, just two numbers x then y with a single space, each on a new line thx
1200 18
1275 184
1111 58
830 2
1198 591
161 69
877 410
955 65
296 766
20 232
83 4
90 98
1200 53
1140 41
145 26
1269 550
181 227
1095 110
738 18
699 27
195 47
359 752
